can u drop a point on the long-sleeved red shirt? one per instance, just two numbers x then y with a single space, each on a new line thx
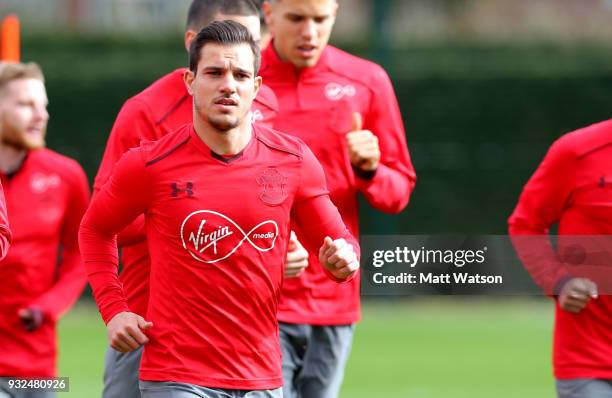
5 231
161 108
317 105
571 187
217 230
46 199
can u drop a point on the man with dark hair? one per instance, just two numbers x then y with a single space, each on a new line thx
46 196
159 109
345 109
572 188
218 196
5 232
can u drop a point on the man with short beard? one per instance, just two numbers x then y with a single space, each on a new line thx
219 197
46 196
5 232
159 109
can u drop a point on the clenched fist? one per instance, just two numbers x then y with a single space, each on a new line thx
364 152
576 294
339 258
126 331
297 258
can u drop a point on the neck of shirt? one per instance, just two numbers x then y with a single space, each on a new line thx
11 159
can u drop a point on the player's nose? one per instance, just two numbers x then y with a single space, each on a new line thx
309 29
228 83
41 113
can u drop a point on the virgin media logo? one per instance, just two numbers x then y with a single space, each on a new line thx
209 236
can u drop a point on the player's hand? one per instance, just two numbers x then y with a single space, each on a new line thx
126 331
338 257
297 258
364 152
31 318
576 293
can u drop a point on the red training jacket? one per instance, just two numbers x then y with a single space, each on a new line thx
161 108
46 199
572 187
218 243
317 105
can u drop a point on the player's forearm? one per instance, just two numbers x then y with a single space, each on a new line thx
389 190
66 290
99 252
318 218
535 251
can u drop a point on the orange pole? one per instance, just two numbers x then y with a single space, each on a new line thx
9 39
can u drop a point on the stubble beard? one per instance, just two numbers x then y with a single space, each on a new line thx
18 140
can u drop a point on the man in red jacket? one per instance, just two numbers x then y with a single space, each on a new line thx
46 196
5 231
218 196
161 108
345 109
572 187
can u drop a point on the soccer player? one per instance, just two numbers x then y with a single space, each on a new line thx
159 109
572 187
345 109
5 232
46 196
218 196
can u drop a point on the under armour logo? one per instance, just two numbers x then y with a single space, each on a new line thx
603 183
176 189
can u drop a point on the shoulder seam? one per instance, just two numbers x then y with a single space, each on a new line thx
167 153
278 148
591 150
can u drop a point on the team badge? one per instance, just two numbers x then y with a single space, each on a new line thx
273 186
43 182
335 91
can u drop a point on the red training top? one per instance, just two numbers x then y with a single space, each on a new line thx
5 232
218 241
572 187
317 105
46 199
161 108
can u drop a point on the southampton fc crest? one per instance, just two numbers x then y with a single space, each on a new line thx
273 186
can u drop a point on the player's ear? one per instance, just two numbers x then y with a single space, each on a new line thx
267 11
189 36
258 82
188 77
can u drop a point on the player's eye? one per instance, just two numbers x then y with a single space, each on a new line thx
295 18
321 20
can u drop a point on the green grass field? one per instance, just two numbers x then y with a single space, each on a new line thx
427 347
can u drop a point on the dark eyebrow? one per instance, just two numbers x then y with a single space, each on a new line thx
214 68
245 71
